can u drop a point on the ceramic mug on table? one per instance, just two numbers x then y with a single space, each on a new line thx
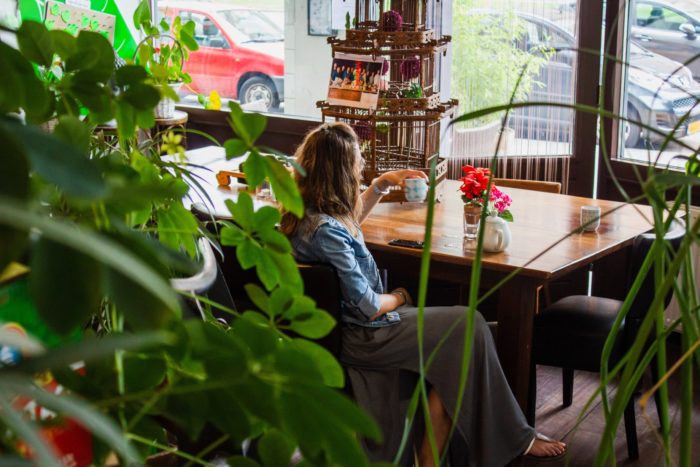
415 189
590 218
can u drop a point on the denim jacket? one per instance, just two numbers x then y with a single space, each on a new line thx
323 239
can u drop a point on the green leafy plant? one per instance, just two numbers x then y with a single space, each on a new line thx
109 231
165 47
668 193
488 60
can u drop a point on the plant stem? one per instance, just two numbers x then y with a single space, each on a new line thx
170 449
218 442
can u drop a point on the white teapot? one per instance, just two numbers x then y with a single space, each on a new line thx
496 234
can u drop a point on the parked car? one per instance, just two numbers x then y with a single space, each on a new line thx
241 52
659 90
667 30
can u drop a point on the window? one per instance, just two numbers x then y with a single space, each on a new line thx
655 16
493 43
660 84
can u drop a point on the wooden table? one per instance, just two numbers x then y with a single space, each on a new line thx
541 220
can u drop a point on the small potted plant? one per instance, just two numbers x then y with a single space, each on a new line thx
163 52
474 185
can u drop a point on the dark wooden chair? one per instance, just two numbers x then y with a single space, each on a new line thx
535 185
571 333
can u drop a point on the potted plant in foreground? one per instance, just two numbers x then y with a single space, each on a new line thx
163 52
478 192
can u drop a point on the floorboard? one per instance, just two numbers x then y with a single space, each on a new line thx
581 425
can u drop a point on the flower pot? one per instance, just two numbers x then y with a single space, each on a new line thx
472 215
166 107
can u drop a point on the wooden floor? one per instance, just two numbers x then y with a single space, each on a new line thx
559 422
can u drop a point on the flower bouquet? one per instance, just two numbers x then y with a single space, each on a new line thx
475 184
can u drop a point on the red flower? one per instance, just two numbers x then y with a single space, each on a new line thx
474 182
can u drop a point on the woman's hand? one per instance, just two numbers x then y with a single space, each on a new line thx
397 177
391 301
407 299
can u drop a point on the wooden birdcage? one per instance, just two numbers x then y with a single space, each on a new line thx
417 15
403 132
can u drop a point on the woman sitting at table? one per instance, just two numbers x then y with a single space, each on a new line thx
380 329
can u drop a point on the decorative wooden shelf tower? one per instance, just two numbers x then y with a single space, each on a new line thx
404 130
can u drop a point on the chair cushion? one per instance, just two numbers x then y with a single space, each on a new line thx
571 332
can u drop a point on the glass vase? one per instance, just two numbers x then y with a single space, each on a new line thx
472 215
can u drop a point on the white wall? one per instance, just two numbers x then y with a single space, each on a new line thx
307 63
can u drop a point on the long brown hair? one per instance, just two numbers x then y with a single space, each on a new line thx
330 156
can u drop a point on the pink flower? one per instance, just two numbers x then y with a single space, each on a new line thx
501 201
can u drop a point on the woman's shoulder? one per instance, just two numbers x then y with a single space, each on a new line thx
315 223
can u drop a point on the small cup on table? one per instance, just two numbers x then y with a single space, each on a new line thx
415 190
590 218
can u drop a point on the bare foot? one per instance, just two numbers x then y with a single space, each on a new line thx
546 448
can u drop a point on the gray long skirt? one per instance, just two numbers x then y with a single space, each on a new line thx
489 421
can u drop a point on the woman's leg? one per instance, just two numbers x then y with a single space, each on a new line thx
441 423
489 419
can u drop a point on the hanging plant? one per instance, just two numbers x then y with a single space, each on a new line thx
410 68
392 21
413 92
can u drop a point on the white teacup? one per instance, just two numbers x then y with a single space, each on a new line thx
415 190
590 218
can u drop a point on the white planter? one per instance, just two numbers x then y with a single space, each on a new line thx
166 107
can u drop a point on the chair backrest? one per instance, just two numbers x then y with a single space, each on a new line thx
320 283
536 185
640 250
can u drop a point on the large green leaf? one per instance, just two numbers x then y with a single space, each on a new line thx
240 461
227 414
103 249
275 449
307 320
130 74
259 398
56 161
94 349
36 43
255 169
325 362
142 372
259 297
73 131
177 228
14 183
235 147
93 53
20 87
64 44
142 14
254 330
142 96
284 186
242 210
248 126
12 83
306 404
66 285
140 307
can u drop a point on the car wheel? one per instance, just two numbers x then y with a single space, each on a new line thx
633 133
259 89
